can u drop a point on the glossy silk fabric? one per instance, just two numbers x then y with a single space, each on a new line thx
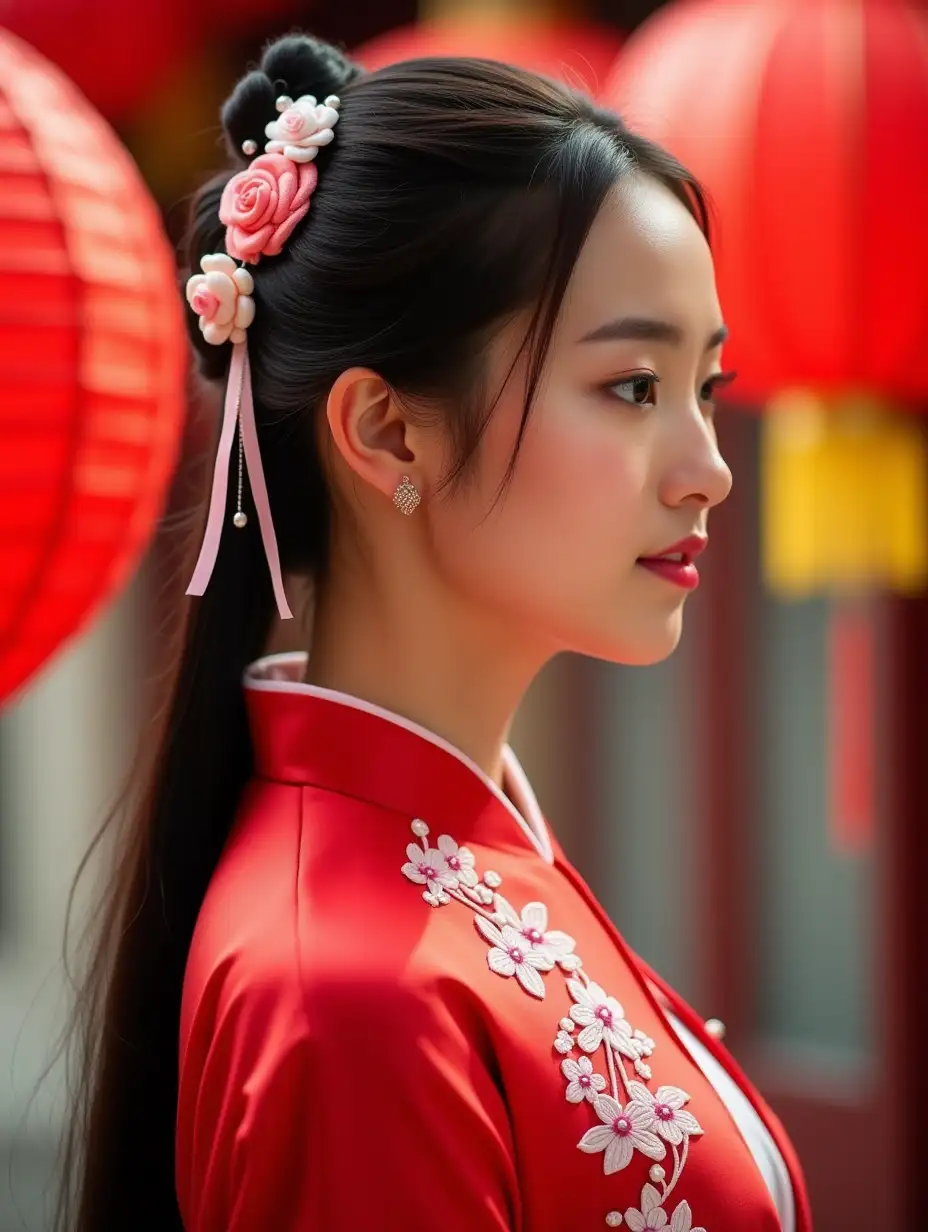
403 1008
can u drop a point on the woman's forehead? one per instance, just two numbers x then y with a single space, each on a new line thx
645 256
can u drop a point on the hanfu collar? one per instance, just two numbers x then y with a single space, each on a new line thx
302 733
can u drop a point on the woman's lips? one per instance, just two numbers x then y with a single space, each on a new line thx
681 573
675 564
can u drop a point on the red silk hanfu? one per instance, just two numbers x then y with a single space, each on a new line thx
404 1009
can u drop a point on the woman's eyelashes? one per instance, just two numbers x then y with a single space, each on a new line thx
640 389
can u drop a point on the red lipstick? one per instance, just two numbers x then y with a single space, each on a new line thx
675 564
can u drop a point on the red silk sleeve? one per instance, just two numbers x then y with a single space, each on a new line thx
337 1108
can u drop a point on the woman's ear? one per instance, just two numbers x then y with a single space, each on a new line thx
371 432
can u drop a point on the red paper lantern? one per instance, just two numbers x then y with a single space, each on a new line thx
581 55
807 121
92 361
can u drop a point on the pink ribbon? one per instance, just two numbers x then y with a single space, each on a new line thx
239 409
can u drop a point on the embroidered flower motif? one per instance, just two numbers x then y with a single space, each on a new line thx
623 1131
511 956
555 946
302 128
643 1043
656 1125
426 866
652 1214
262 204
221 298
582 1082
459 860
670 1121
602 1018
564 1042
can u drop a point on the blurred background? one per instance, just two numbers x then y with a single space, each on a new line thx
753 812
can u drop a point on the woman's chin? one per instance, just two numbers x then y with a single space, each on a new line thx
642 646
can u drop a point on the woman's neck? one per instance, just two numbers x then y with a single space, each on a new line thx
423 657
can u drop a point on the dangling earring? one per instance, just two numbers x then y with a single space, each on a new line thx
406 497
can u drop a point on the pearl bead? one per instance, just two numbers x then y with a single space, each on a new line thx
657 1174
332 100
420 829
716 1028
240 519
614 1219
284 102
249 147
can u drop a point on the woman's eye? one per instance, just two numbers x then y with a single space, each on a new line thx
714 384
638 390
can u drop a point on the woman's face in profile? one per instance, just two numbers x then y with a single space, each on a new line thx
619 462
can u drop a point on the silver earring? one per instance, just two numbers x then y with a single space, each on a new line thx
406 497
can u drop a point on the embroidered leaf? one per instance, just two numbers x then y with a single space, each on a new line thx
489 930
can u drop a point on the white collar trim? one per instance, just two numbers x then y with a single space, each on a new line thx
280 673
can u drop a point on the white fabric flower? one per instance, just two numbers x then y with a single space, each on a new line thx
582 1082
460 860
511 956
652 1214
555 946
643 1043
665 1106
302 128
602 1018
427 867
623 1131
564 1042
221 298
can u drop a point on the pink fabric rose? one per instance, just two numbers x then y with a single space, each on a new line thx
261 205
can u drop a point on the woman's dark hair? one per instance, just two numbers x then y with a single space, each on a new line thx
456 194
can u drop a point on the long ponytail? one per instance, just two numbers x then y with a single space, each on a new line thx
118 1156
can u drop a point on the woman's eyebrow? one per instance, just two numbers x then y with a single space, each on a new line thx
646 329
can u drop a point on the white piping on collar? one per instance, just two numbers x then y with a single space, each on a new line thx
523 806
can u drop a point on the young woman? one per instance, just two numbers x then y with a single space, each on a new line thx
348 978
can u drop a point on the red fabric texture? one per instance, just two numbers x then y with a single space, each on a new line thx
348 1059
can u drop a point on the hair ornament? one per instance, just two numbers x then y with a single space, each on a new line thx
260 208
302 127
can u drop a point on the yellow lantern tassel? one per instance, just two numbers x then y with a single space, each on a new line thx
844 496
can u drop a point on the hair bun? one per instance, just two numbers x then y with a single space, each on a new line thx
294 65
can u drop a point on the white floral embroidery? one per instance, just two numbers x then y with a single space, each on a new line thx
632 1118
623 1131
459 861
427 867
602 1018
643 1043
652 1215
510 955
533 925
563 1042
671 1122
582 1082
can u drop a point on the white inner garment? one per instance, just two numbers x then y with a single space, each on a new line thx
755 1133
